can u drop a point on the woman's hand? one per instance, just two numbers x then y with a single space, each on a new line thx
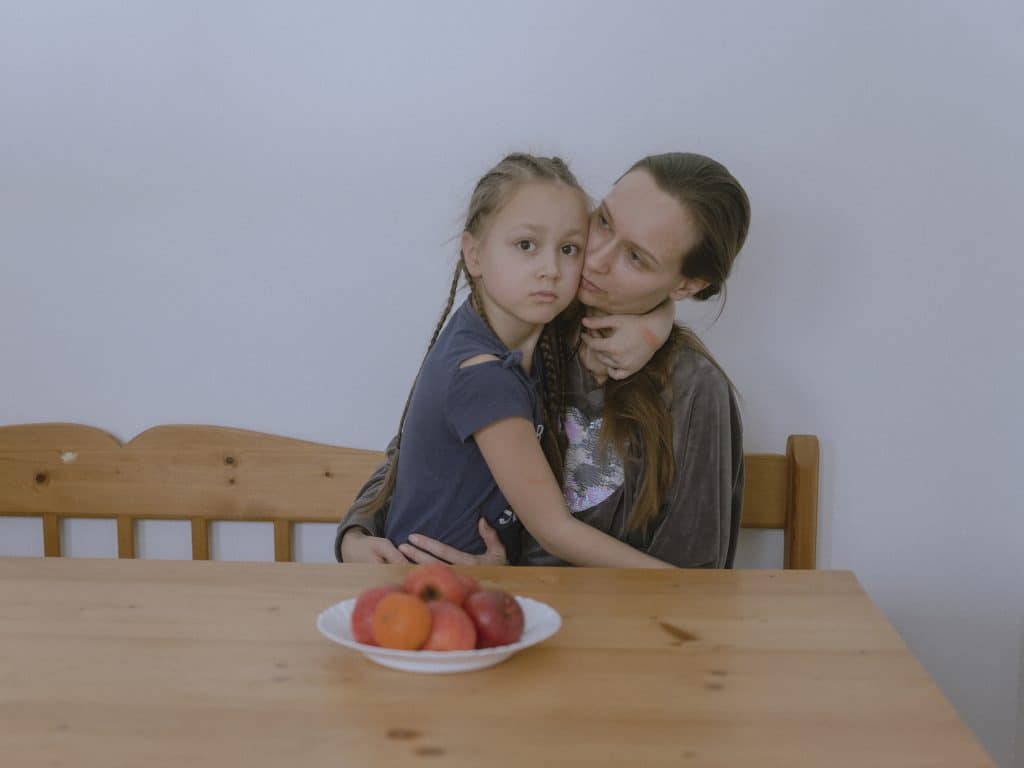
428 550
359 547
618 346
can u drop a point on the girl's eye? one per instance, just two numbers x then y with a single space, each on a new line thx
570 249
634 259
525 245
602 220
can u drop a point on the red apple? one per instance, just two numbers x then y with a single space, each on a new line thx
471 584
451 629
435 581
362 614
497 617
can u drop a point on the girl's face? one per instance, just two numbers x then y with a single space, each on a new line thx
638 236
527 260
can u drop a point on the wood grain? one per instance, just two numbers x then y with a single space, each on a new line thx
126 662
203 473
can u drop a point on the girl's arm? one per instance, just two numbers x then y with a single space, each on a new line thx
617 346
515 458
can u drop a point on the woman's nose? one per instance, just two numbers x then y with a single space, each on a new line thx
598 256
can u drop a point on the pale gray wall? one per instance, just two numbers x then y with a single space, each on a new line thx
239 214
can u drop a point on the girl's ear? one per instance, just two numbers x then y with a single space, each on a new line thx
687 288
470 254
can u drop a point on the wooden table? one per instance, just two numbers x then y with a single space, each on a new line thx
156 663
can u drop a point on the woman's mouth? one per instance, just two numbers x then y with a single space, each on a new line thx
587 285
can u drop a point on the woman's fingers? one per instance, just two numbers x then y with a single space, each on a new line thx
423 549
606 346
495 549
386 552
441 551
602 323
416 555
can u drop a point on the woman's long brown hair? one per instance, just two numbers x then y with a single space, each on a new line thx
636 417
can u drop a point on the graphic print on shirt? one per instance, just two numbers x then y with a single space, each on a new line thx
591 474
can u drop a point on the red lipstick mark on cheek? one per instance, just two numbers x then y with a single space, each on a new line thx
650 338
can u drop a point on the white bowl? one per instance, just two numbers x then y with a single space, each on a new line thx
541 622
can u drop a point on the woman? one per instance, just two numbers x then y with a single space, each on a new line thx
655 459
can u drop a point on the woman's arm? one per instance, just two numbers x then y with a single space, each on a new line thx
701 517
515 458
358 539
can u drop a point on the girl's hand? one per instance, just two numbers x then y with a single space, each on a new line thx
624 344
428 550
359 547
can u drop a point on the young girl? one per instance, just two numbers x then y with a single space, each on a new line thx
470 445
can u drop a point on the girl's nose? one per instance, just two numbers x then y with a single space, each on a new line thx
548 265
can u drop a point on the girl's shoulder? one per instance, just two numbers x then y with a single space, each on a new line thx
465 336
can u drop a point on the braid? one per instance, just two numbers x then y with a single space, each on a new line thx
387 488
553 441
459 269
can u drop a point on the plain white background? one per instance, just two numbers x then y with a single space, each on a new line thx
241 214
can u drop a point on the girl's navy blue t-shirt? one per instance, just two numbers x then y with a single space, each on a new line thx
444 485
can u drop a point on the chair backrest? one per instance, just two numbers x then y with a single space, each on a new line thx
204 474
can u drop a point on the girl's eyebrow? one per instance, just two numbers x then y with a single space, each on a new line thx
611 221
538 229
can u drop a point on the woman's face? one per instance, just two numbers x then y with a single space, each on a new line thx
633 260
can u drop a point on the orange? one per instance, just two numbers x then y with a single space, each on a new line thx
401 621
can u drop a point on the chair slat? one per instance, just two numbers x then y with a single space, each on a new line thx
125 537
51 535
282 541
803 453
200 538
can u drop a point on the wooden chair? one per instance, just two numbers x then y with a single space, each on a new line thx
202 474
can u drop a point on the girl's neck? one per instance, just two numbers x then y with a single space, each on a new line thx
513 332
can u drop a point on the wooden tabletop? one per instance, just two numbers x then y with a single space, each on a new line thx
157 663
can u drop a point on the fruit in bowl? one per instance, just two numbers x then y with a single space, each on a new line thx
497 617
362 614
439 609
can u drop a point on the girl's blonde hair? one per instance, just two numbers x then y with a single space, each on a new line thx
492 192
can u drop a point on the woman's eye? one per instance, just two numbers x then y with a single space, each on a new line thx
634 259
525 245
569 249
602 221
